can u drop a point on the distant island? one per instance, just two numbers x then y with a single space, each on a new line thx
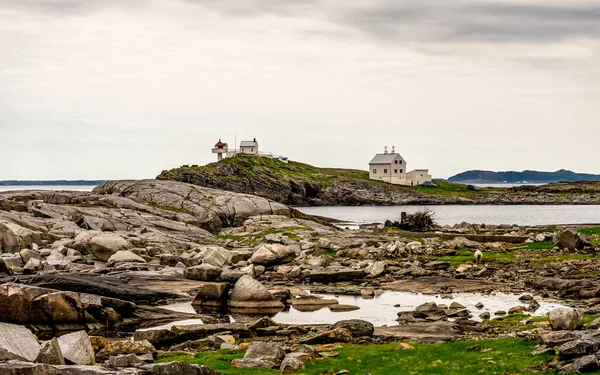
51 182
512 177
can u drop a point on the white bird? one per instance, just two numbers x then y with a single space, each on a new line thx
478 256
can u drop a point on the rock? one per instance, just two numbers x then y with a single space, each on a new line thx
332 336
336 274
17 343
101 244
27 254
261 349
552 339
291 364
99 343
578 348
565 319
427 307
125 347
9 264
343 308
595 324
212 295
203 272
216 256
124 360
526 297
376 269
125 256
34 265
260 354
51 354
484 316
247 289
516 310
589 363
569 239
181 368
272 254
356 327
77 348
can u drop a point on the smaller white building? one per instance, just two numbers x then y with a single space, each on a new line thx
392 168
249 147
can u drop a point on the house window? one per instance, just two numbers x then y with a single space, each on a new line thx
395 171
375 171
401 171
385 171
400 161
395 161
252 149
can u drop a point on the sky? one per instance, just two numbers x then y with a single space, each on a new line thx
114 89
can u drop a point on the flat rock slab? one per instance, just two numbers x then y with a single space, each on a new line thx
439 284
426 332
18 343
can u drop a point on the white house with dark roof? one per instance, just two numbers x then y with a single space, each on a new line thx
391 167
249 147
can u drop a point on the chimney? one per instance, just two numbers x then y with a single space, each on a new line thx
385 150
393 149
254 140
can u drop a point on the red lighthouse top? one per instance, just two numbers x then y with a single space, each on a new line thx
220 144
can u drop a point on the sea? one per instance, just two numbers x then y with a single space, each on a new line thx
456 214
443 215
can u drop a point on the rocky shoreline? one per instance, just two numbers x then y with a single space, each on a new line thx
96 272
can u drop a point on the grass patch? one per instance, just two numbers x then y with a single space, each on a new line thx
590 231
327 251
544 245
287 231
561 257
500 356
465 255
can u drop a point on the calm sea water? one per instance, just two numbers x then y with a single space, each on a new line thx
450 215
48 187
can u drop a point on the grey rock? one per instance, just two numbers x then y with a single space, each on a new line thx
272 254
100 244
265 349
552 339
51 354
565 319
181 368
291 364
17 343
203 272
216 256
124 360
125 256
578 348
569 239
356 327
247 289
77 348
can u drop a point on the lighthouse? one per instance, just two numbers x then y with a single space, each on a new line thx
220 149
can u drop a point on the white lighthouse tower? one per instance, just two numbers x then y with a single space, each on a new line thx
220 149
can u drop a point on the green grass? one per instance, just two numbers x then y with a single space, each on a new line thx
545 245
466 256
500 356
287 231
590 231
561 257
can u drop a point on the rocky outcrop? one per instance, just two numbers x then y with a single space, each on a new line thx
17 343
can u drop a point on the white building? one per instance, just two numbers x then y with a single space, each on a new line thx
246 147
392 168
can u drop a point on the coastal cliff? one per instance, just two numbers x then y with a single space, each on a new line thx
301 184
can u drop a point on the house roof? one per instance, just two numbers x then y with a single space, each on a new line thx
220 144
248 144
384 158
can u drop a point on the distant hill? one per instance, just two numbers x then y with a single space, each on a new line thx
489 177
50 182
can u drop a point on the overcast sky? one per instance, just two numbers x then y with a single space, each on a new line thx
107 89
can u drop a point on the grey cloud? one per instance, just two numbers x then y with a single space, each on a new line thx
470 22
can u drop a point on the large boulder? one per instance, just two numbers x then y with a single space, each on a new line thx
565 319
272 254
101 244
569 239
17 343
77 348
251 294
203 272
356 327
9 240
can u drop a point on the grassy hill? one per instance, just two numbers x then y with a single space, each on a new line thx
303 184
